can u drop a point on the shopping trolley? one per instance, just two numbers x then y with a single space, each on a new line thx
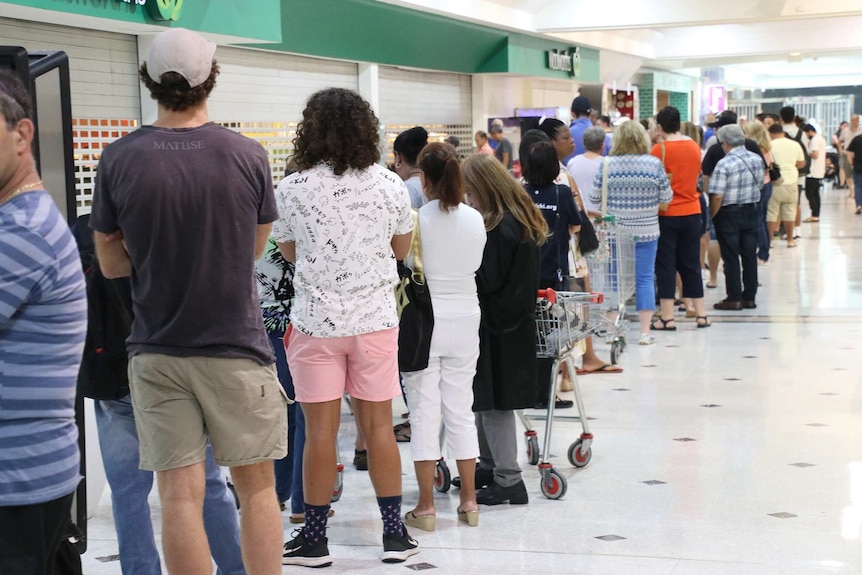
562 321
612 274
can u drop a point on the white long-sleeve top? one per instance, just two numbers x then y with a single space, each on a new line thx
452 246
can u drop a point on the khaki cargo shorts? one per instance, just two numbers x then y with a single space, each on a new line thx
180 401
782 205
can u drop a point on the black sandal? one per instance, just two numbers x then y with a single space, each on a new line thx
706 322
664 326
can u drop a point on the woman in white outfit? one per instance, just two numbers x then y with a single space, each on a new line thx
453 240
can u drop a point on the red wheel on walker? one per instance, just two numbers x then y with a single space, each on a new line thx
533 448
442 477
554 485
578 456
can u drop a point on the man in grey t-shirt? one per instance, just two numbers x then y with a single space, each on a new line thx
504 146
193 204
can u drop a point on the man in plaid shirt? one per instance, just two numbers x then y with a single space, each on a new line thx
734 192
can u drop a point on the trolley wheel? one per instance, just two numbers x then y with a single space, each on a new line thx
616 351
554 485
442 477
578 456
338 490
533 449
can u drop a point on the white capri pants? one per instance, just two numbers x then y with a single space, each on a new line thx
444 391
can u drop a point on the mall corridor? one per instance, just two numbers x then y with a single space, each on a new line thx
735 450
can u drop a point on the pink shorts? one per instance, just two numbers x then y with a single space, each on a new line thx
323 368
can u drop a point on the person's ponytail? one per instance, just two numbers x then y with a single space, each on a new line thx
442 169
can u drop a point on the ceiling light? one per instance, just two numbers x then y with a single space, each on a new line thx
795 54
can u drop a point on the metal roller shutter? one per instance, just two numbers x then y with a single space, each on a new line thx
103 70
262 95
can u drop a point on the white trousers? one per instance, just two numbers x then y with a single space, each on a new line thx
443 392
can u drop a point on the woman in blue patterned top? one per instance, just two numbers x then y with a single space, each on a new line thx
637 188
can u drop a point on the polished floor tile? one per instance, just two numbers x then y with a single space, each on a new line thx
769 483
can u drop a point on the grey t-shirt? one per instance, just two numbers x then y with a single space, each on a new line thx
505 146
189 202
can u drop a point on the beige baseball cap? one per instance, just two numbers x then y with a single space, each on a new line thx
182 51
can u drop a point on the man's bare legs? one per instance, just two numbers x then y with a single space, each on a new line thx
318 461
374 418
184 540
713 258
261 531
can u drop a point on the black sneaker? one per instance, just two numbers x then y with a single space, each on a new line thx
298 551
360 459
398 548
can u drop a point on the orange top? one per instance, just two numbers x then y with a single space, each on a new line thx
682 164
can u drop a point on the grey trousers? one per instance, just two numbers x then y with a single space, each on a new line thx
498 446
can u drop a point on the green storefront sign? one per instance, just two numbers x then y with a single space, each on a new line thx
163 10
254 20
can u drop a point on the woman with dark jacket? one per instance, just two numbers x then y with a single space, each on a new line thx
507 282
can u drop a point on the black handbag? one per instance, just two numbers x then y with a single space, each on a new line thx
588 241
414 309
774 174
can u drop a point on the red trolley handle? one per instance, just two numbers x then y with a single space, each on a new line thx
549 295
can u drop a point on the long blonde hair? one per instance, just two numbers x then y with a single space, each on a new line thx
757 132
494 192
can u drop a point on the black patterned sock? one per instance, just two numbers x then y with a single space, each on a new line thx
390 512
315 522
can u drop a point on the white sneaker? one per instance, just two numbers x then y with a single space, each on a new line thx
646 339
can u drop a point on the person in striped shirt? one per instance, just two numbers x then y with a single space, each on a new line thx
43 323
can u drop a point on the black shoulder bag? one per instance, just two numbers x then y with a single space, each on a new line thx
414 309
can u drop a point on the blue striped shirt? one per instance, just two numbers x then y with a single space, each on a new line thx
637 184
43 323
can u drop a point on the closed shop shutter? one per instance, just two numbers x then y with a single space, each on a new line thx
262 94
440 102
103 73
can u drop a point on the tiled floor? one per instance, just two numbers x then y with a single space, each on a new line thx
770 485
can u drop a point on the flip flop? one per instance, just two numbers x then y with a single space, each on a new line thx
711 286
606 368
663 323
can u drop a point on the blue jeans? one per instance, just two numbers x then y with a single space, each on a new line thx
645 275
130 487
285 469
763 239
857 188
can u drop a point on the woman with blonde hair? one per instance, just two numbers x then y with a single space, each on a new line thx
507 282
757 132
637 187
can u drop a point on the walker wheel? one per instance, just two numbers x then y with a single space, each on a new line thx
554 485
578 456
533 449
616 351
338 490
442 477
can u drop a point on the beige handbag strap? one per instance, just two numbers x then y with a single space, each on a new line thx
605 186
416 249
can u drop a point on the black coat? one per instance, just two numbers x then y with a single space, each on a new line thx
508 281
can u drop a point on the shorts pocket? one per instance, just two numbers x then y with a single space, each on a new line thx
248 388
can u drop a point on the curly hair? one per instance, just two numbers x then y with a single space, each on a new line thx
173 91
338 127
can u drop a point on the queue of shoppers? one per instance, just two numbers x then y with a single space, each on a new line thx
297 286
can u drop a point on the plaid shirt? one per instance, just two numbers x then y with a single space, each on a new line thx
738 177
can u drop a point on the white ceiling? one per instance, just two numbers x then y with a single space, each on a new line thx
751 39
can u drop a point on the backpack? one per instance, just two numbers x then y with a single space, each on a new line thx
104 367
806 169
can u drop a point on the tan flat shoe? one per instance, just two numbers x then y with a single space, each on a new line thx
471 518
423 522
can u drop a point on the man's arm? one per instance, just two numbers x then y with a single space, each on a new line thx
800 165
288 250
401 245
113 258
505 160
261 237
715 204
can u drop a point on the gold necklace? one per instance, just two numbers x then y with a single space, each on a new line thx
22 189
